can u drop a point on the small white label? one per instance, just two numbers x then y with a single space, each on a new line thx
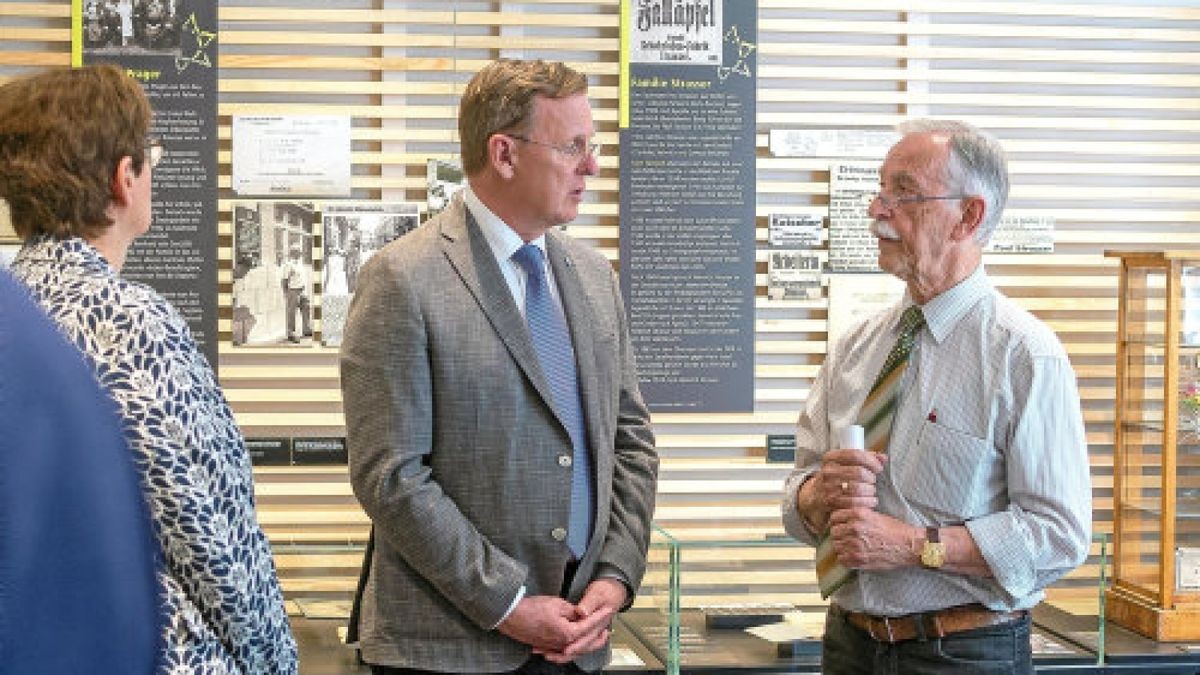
1187 568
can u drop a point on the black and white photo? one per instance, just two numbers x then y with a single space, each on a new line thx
353 232
444 178
273 273
131 26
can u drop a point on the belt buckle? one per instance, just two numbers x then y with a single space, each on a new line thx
887 623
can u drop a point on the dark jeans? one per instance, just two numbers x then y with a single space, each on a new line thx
1001 649
534 666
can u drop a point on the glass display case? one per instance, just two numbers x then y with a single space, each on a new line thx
746 602
1156 475
715 602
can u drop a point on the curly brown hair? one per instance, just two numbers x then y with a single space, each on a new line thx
500 98
62 134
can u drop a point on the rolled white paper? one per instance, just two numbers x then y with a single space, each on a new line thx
852 437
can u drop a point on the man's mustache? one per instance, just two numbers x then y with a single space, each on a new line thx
883 230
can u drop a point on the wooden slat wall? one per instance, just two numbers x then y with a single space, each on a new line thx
1097 103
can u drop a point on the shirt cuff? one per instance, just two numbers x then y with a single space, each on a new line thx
1002 540
513 607
606 571
619 577
794 522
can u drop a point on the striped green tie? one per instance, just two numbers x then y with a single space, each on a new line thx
876 417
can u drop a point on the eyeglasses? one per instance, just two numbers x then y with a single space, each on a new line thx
154 151
890 203
576 150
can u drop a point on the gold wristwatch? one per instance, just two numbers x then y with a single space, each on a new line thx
933 552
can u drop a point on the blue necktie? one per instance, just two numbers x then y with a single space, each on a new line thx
552 342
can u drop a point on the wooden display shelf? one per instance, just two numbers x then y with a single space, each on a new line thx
1139 613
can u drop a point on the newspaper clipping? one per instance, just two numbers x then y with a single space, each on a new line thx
787 230
852 247
676 31
794 275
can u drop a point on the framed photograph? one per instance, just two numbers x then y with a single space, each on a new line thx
273 273
443 179
121 27
352 233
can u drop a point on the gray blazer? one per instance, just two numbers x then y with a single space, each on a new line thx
455 448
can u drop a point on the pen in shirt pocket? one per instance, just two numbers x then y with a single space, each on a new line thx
932 415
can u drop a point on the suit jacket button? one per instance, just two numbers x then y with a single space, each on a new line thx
564 460
559 533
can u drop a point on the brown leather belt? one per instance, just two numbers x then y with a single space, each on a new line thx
928 625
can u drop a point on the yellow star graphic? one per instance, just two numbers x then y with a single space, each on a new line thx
203 39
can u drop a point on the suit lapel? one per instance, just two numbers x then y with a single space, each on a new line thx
580 315
472 258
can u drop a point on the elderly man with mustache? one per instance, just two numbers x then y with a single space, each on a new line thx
971 492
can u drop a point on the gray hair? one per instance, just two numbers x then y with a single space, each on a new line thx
977 166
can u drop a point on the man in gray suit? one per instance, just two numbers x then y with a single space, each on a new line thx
496 433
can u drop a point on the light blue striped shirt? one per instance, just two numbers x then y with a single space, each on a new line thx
504 242
988 433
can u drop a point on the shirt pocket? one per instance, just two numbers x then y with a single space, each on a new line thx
948 476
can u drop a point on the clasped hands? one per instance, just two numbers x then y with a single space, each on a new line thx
560 631
845 500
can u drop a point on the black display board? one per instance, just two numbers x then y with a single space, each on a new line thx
688 200
170 46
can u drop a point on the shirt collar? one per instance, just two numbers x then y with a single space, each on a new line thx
503 240
69 252
943 312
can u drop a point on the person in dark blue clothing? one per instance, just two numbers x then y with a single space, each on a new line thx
77 556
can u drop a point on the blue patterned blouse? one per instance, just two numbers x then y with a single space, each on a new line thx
225 609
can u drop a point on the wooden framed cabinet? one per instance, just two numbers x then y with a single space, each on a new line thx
1156 475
